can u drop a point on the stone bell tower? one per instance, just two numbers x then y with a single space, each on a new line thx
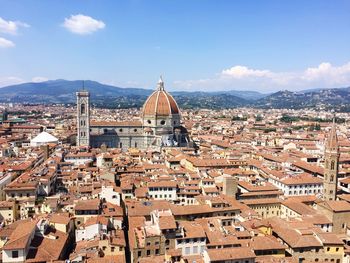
331 156
83 118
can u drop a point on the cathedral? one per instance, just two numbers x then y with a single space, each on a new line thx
159 125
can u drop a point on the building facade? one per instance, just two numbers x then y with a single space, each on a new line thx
159 125
83 118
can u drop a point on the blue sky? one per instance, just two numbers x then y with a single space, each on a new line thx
195 44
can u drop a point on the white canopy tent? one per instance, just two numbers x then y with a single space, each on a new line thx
42 139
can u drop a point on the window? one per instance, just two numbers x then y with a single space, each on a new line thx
332 165
162 122
149 121
135 130
187 250
139 253
15 254
332 178
82 108
328 248
157 251
148 252
120 130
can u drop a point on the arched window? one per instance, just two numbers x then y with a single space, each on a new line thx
332 178
332 165
82 108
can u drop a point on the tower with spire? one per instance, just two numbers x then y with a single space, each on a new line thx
331 166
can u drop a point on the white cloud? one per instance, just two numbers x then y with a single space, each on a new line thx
239 72
325 75
6 81
5 43
328 73
82 25
11 27
39 79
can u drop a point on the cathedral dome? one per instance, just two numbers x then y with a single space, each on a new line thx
160 103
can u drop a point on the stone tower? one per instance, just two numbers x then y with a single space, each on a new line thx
230 185
331 156
4 115
83 118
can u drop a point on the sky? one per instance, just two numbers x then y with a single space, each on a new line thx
262 45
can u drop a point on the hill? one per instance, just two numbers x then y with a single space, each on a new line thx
63 91
102 95
338 99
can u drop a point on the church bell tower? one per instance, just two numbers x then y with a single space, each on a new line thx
331 156
83 118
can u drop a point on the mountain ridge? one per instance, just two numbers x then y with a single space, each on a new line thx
63 91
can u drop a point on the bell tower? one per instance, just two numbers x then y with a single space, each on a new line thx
331 156
83 118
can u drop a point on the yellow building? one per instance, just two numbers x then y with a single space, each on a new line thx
265 207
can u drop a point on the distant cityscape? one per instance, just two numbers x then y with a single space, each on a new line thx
175 131
165 184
